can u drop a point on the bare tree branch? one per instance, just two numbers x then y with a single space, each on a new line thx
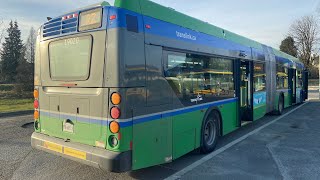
306 32
30 46
3 29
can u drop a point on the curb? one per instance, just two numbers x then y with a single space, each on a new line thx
18 113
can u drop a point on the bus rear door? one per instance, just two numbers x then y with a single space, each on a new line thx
305 76
292 84
246 89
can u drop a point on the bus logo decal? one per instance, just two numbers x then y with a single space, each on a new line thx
186 36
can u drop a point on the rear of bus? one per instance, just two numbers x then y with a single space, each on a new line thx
75 97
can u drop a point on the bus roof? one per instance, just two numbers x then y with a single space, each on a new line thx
167 14
103 3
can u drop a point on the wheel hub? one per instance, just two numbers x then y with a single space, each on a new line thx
210 132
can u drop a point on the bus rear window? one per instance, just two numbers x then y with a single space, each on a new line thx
70 58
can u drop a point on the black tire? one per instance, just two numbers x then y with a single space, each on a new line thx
210 133
280 105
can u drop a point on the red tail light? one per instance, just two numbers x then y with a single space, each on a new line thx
36 104
115 113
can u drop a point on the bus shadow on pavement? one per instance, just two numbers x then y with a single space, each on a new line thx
28 125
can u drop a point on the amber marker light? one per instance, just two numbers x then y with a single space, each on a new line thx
114 127
36 94
36 115
115 98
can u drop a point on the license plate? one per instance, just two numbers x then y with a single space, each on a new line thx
68 127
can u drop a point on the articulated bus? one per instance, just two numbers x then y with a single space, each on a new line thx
136 84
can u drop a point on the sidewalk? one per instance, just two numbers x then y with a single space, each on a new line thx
314 92
287 149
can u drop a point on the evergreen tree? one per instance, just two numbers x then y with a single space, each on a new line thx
24 76
11 52
288 46
25 69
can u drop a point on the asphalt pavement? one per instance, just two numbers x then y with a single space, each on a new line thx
286 149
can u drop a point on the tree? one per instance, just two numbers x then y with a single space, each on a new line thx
25 69
11 52
24 76
288 46
305 32
30 46
2 30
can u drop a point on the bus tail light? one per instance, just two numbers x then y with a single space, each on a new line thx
115 98
115 113
114 127
36 115
36 104
36 94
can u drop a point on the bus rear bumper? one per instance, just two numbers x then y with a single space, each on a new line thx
89 155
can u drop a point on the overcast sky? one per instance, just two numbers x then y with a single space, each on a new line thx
264 21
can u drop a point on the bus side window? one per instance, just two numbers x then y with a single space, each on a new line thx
282 77
259 76
198 78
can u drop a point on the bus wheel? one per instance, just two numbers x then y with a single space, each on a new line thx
280 105
210 133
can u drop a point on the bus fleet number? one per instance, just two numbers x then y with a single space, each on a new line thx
71 41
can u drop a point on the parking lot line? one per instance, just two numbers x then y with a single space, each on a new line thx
183 171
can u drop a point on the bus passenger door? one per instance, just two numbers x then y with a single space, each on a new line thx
292 84
246 88
305 84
